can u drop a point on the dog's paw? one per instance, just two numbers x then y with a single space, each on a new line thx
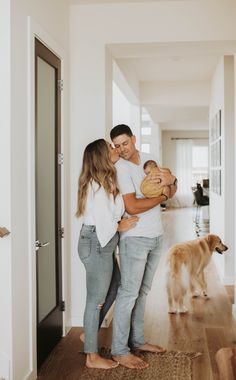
183 310
196 294
172 310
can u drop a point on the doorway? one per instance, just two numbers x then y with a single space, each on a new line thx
48 229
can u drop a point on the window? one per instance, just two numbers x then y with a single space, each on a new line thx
145 148
200 163
146 131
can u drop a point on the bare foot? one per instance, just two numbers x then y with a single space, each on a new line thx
131 361
183 310
151 348
97 361
82 337
196 294
172 310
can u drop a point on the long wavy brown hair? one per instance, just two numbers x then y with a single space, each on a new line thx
97 166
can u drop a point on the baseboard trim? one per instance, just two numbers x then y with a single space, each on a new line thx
67 329
31 376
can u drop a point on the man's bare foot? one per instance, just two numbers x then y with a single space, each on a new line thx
82 337
151 348
97 361
131 361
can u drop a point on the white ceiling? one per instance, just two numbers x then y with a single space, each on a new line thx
171 68
173 78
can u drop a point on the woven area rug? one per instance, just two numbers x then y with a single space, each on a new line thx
172 365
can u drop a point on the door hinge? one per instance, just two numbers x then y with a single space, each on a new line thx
62 306
61 232
60 84
60 158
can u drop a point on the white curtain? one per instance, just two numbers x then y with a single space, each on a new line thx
184 196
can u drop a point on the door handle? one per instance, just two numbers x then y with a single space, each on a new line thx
4 232
38 244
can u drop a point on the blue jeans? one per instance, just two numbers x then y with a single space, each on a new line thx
139 258
98 264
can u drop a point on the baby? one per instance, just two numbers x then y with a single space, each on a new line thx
148 187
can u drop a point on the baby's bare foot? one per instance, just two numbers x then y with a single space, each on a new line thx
97 361
131 361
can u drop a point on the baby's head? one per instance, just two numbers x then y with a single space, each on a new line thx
149 165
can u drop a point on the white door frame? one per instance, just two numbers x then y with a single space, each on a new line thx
35 30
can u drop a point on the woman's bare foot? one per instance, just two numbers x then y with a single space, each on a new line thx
82 337
131 361
96 361
151 348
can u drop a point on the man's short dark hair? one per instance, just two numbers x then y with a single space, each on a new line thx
120 129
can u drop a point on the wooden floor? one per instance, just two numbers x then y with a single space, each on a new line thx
207 327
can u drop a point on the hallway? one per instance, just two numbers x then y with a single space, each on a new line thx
207 327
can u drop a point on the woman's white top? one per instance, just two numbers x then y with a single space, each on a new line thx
103 212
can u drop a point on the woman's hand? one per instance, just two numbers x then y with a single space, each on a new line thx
127 223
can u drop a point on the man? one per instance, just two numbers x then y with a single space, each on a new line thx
140 249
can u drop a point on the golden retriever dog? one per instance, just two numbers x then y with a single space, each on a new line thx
190 257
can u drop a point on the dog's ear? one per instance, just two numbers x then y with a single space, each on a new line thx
212 241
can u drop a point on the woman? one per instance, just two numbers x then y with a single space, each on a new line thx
101 205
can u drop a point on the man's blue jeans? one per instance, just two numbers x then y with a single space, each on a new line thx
98 263
139 258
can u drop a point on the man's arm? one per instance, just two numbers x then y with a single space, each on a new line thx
135 205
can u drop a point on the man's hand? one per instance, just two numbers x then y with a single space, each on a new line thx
169 191
173 189
166 191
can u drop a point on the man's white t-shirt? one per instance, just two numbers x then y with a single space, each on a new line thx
130 177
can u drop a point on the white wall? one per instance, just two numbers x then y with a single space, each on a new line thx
92 29
121 107
222 206
125 103
229 115
5 198
52 17
125 113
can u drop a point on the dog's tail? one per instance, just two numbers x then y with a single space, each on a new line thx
176 261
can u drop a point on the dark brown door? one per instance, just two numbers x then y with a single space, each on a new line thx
48 199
